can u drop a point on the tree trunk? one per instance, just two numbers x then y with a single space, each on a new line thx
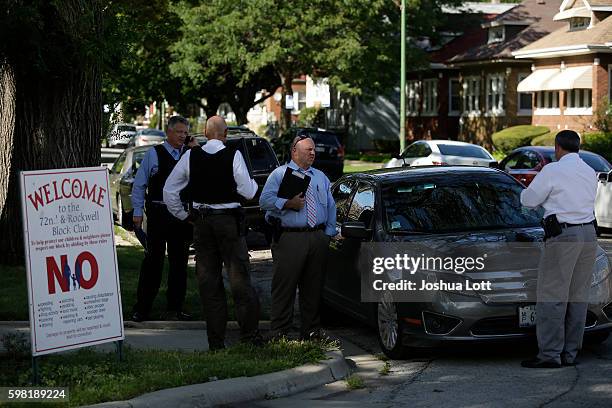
47 121
285 117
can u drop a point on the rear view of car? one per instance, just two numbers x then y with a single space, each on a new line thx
442 153
146 137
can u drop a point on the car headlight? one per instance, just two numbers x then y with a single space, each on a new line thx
602 269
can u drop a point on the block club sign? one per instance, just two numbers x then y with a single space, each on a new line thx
73 281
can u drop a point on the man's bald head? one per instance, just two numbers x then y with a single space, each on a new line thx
216 128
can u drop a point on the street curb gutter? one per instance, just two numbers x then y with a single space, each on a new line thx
243 389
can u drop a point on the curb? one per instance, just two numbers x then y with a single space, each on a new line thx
243 389
153 325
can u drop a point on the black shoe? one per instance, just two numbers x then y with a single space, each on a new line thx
537 363
171 315
138 317
316 335
566 363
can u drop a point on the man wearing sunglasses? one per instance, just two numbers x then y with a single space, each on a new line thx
306 222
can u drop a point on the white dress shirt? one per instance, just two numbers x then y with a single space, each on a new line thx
179 178
566 188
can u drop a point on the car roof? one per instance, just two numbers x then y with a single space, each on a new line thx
398 173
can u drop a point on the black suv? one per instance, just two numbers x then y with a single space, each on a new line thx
257 153
329 151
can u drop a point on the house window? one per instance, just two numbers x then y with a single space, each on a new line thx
299 101
496 91
496 34
454 96
525 99
412 105
430 96
471 94
579 98
547 101
579 23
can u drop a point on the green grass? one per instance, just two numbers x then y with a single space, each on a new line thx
354 382
14 296
385 369
94 377
361 167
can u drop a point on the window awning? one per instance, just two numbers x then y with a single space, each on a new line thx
537 80
571 78
573 12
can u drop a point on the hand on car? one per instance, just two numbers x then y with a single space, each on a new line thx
296 203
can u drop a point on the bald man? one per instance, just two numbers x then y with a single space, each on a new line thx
218 180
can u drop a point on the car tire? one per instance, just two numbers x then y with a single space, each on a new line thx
389 329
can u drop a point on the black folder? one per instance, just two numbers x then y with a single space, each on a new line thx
293 183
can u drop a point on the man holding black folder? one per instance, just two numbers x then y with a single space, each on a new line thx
298 202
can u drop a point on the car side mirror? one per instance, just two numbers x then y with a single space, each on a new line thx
494 165
603 176
356 230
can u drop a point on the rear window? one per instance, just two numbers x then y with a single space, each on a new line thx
599 164
464 151
441 204
261 155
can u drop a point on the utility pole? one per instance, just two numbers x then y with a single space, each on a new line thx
402 134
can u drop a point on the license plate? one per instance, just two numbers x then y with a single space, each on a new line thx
527 316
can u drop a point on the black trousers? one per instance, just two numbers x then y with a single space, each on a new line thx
299 262
217 243
164 231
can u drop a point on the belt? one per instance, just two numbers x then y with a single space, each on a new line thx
303 229
219 211
567 224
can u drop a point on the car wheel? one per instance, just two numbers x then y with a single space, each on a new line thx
389 329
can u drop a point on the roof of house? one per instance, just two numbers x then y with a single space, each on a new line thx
595 3
479 8
564 38
537 15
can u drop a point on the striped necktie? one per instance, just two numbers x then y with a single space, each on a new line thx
311 205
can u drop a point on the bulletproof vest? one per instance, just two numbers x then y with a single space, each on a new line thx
165 164
211 177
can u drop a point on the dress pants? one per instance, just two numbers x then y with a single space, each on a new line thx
164 231
299 262
564 280
217 243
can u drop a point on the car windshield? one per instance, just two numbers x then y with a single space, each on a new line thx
444 203
464 151
152 132
597 163
126 128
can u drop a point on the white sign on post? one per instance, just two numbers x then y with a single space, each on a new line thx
71 262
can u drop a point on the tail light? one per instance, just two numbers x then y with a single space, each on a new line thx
436 163
341 152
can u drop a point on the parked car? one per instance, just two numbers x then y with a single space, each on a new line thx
120 135
603 202
438 207
329 156
258 155
527 161
145 137
442 152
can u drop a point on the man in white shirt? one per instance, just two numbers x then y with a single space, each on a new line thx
217 179
566 190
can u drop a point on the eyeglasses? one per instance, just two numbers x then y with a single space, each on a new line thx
299 139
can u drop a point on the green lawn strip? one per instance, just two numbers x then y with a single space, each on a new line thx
14 296
94 377
361 167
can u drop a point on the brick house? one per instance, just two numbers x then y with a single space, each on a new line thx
572 66
477 85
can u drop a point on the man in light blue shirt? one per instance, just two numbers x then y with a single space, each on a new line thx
307 221
163 229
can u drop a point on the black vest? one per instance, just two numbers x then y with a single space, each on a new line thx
165 164
211 177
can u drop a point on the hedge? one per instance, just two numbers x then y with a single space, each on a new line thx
547 139
598 142
510 138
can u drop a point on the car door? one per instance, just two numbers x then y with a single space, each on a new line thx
342 191
603 201
360 210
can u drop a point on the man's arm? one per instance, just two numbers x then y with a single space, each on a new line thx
269 200
175 183
139 187
246 186
330 224
539 189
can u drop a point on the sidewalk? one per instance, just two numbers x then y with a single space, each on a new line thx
191 336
